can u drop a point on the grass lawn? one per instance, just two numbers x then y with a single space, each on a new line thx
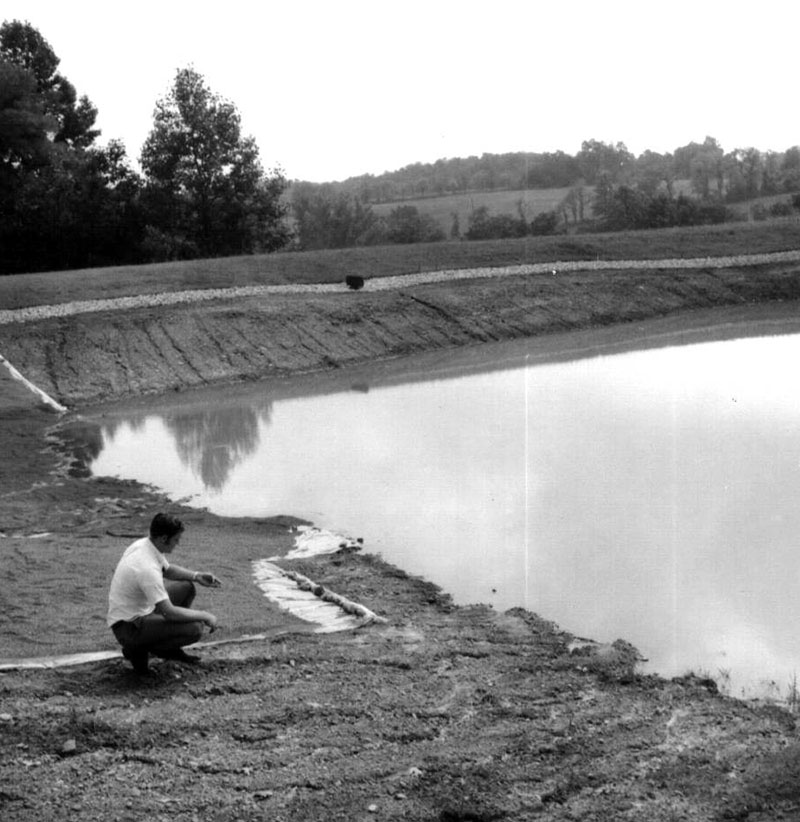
21 290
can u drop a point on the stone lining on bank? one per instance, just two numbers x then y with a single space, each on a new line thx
42 312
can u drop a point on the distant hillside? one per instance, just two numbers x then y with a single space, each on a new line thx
604 187
462 175
531 201
733 176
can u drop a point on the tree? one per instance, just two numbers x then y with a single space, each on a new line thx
551 170
747 163
597 158
405 224
771 172
455 227
790 169
22 45
602 200
204 179
63 202
545 222
328 219
703 163
574 203
24 124
626 209
25 148
485 226
653 169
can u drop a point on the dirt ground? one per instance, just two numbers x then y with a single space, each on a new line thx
441 713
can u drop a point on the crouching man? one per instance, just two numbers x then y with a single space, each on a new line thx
150 599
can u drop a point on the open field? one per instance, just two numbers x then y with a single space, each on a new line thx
533 201
19 291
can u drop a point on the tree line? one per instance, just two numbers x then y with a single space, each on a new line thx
66 202
606 188
742 173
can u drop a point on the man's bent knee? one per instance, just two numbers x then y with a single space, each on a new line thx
181 592
194 633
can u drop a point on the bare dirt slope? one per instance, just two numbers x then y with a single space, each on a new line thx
92 357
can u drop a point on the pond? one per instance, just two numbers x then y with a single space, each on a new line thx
637 484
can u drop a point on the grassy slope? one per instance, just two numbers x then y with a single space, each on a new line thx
533 201
331 266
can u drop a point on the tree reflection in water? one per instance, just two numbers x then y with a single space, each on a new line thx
212 442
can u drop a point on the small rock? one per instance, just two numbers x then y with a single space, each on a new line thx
373 808
68 748
6 717
535 802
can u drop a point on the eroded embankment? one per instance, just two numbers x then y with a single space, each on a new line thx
113 354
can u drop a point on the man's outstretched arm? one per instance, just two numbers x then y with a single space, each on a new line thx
177 573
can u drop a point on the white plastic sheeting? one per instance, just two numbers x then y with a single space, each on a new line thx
304 604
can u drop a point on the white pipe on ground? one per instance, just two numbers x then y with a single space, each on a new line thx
45 398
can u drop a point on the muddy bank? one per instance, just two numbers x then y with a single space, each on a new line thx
443 714
94 357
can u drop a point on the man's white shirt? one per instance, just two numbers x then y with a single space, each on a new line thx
138 582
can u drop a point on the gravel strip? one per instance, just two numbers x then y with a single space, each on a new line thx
41 312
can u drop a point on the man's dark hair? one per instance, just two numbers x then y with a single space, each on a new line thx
165 525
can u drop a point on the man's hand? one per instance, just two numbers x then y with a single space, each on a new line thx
211 621
207 580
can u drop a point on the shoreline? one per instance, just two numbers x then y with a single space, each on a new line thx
446 711
97 510
742 681
681 328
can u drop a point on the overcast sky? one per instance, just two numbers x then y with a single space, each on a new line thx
339 88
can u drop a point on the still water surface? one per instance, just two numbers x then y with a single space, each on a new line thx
649 495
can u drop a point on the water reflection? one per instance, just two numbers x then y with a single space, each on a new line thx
212 443
208 441
648 496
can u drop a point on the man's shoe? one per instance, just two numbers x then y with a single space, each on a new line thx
137 658
179 655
